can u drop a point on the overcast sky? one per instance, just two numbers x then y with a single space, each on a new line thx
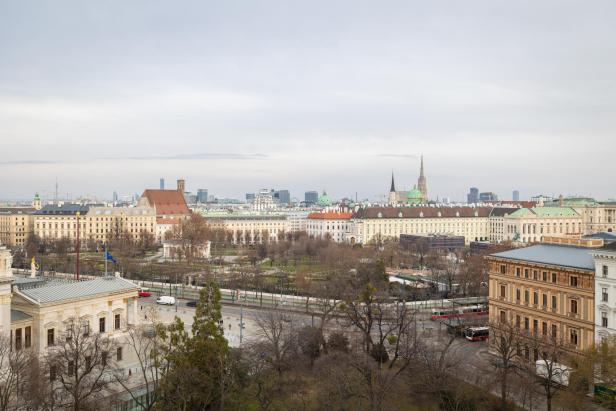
238 95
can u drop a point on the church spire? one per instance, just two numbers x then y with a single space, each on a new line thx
393 187
422 184
421 171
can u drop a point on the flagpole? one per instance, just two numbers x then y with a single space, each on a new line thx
105 259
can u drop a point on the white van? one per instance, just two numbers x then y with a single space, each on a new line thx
559 373
165 300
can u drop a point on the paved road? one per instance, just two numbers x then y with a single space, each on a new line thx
231 315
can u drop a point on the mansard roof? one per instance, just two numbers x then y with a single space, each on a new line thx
57 290
422 212
552 254
63 209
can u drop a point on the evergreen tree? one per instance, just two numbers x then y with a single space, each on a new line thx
198 371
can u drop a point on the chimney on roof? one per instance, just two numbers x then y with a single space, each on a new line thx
561 201
181 185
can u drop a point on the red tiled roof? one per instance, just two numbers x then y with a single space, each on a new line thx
331 215
166 202
161 220
426 212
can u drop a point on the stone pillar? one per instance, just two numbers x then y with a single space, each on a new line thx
131 311
6 278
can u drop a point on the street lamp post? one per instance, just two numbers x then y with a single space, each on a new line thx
78 247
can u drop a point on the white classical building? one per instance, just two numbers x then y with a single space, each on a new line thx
249 227
36 311
373 224
605 291
529 225
333 224
264 200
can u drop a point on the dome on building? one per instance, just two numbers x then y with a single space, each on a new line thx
324 200
414 196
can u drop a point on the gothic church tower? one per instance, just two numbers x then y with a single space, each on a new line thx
422 185
393 196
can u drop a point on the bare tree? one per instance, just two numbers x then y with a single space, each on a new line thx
14 366
505 342
191 235
276 340
147 347
379 320
80 366
437 361
548 369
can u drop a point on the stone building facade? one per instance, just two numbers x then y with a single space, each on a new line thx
332 224
16 224
529 225
96 223
605 291
547 291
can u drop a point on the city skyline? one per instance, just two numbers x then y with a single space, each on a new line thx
308 97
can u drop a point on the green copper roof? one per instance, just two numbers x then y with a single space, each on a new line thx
324 200
414 196
546 212
575 201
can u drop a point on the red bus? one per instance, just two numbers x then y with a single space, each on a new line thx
477 333
465 311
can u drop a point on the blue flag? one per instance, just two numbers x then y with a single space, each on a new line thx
109 257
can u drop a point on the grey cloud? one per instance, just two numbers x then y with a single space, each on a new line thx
27 162
486 90
392 155
196 156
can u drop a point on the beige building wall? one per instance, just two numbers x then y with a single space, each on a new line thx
543 300
15 226
58 226
368 230
54 317
252 229
105 222
530 229
99 223
598 217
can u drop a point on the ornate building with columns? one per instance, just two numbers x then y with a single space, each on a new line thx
35 311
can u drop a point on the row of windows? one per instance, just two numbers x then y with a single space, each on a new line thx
70 365
102 328
573 302
544 276
17 338
84 226
545 329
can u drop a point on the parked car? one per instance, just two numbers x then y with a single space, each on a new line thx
191 303
143 293
165 300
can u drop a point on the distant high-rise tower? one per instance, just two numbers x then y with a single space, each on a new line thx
422 185
311 197
181 185
162 183
487 197
202 195
473 196
516 195
393 196
283 196
115 196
